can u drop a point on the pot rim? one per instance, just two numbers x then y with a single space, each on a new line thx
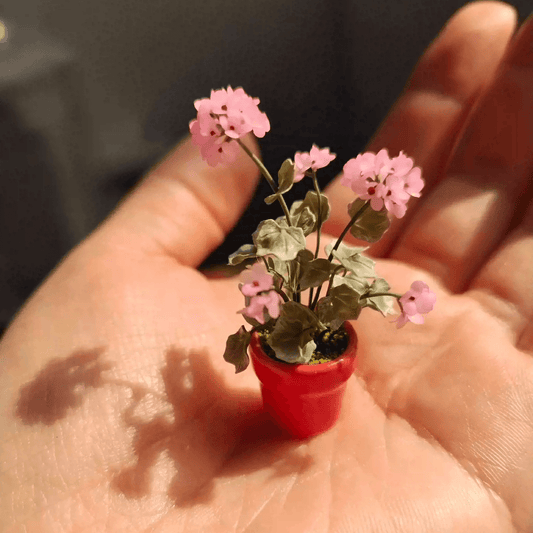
303 369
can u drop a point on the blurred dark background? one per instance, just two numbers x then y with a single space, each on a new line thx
93 93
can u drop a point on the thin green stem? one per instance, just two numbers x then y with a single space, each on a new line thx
269 178
317 297
333 274
319 289
372 295
319 224
353 220
297 294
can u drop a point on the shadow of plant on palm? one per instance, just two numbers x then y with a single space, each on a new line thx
60 387
201 430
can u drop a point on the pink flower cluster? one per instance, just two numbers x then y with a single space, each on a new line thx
314 159
415 302
262 303
384 181
222 118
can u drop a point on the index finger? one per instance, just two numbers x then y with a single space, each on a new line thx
426 119
463 220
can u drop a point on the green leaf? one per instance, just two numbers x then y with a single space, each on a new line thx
314 272
371 225
311 202
345 249
282 241
271 198
279 269
246 251
304 256
285 181
359 285
303 217
380 285
383 304
341 304
351 258
236 351
286 175
292 337
286 272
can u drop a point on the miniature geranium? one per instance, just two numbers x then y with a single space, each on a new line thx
385 182
256 280
314 159
263 307
226 116
418 300
297 300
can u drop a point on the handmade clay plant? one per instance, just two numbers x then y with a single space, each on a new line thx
297 302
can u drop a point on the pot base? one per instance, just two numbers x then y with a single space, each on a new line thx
307 416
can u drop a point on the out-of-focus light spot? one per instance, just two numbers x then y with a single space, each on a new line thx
3 32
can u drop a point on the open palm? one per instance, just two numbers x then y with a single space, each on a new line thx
118 413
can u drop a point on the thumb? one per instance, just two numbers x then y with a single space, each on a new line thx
184 208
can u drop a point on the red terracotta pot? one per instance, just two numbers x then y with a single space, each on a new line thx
305 400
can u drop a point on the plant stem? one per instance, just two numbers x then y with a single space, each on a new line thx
318 230
330 282
319 223
337 244
372 295
269 178
317 296
297 294
347 228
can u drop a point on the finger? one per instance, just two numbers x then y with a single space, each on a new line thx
505 283
427 117
469 212
184 207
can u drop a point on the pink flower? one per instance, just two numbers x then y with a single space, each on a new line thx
263 307
394 195
314 159
366 166
365 173
256 280
219 152
209 135
401 164
225 116
415 302
384 181
414 182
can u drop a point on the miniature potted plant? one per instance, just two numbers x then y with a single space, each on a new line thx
298 302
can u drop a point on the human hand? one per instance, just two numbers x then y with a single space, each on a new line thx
119 414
